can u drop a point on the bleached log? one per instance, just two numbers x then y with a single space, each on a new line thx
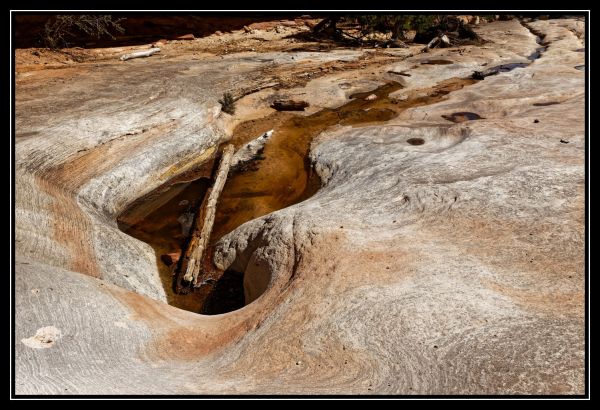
198 247
431 44
138 54
249 151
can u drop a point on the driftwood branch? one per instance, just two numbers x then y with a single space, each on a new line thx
431 44
289 105
441 39
138 54
251 150
198 244
191 246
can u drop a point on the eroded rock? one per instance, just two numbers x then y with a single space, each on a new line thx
452 266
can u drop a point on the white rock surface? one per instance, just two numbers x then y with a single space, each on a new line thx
451 267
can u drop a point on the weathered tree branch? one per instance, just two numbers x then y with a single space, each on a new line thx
138 54
198 245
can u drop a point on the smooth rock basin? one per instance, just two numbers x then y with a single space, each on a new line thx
455 266
279 177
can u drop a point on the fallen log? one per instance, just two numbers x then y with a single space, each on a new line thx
431 44
442 39
251 150
199 241
138 54
180 287
289 105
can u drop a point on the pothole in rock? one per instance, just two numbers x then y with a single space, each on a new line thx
227 294
462 116
279 177
416 141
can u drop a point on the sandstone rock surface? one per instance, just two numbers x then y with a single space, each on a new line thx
455 266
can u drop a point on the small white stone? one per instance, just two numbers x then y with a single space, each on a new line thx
44 338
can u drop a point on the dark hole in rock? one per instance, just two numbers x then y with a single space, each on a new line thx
416 141
580 67
170 258
462 116
544 104
580 50
437 62
225 295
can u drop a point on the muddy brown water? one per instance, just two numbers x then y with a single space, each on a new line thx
280 177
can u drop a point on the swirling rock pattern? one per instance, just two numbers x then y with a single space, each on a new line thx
451 267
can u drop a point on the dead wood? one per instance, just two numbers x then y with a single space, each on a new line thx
199 241
138 54
289 105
